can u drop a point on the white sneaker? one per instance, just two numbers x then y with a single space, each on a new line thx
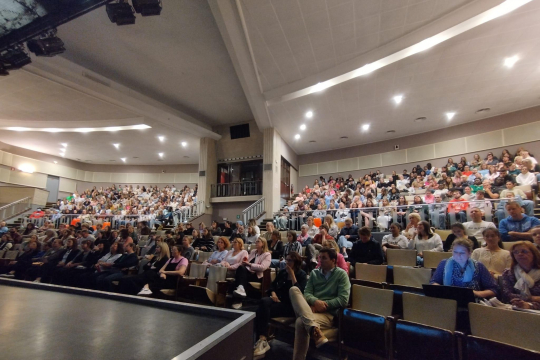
145 291
240 291
261 348
237 306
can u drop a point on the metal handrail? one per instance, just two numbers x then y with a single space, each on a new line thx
253 211
243 188
12 209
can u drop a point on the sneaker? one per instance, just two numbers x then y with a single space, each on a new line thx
261 348
237 306
318 337
145 291
240 291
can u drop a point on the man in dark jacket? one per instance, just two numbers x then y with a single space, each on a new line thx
347 236
128 259
367 250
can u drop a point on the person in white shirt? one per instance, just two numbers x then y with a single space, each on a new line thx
312 229
402 183
394 240
425 240
525 155
526 177
477 226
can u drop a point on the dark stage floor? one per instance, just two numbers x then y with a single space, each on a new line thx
38 324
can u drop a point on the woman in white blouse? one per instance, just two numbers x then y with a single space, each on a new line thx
424 240
493 256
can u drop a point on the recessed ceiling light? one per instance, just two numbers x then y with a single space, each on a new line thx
160 154
297 136
510 61
391 131
183 143
116 146
83 130
56 162
161 138
484 110
64 144
309 114
123 159
398 99
450 115
365 127
62 154
420 119
344 137
303 127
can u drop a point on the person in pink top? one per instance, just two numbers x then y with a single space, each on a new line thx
235 256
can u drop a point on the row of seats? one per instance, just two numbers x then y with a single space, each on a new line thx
426 329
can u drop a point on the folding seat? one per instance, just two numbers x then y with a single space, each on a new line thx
400 257
433 258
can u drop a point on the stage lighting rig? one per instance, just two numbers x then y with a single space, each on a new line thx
147 7
121 13
47 44
15 58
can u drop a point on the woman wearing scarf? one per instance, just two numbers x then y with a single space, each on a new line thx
521 283
460 270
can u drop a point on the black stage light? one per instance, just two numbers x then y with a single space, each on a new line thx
120 13
147 7
15 58
48 46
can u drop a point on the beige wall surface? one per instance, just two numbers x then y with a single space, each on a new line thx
461 131
239 148
9 194
229 210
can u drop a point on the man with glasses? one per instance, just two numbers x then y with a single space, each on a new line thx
517 226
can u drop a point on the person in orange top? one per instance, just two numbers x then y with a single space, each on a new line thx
458 206
37 214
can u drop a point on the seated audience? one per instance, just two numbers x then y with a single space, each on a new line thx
395 240
333 229
304 238
493 256
347 236
206 242
517 225
168 274
521 282
269 230
219 255
115 271
458 207
216 230
275 246
412 227
278 303
235 256
458 232
327 291
425 240
460 270
17 268
476 226
251 236
321 236
251 269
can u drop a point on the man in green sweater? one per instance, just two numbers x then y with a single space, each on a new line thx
326 292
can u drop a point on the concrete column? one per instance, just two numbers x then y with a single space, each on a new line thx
271 171
207 171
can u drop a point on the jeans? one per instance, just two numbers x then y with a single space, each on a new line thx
438 219
459 216
344 243
305 321
419 261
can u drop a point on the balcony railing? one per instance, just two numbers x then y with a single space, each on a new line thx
244 188
15 208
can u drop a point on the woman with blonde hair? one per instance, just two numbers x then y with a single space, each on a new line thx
411 229
132 285
333 229
254 226
235 256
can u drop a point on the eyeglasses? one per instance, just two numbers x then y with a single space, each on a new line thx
522 252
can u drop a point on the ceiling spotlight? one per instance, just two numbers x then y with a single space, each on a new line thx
64 144
510 61
309 114
52 130
160 155
161 138
450 115
15 58
303 127
297 136
27 168
62 154
56 162
116 146
113 128
398 99
47 45
123 159
365 127
121 13
183 143
147 7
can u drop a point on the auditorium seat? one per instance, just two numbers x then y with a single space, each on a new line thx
409 276
508 245
364 329
430 311
480 348
375 273
443 234
516 328
401 257
433 258
203 256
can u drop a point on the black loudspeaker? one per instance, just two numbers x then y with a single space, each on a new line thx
239 131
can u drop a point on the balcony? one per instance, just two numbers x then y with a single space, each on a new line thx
237 191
